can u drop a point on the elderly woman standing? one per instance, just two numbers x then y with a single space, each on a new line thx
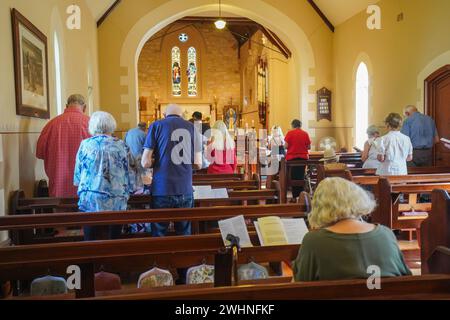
370 153
395 149
344 246
102 172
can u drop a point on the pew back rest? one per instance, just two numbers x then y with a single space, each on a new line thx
436 229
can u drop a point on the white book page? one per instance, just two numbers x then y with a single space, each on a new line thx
445 140
202 192
295 229
220 193
237 227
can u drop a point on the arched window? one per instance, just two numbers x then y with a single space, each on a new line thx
176 72
58 86
362 104
192 72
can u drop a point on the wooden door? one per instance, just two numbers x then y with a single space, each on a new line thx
437 105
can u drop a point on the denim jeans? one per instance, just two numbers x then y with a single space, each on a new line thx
182 228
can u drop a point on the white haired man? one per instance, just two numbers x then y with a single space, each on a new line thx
421 129
58 145
174 149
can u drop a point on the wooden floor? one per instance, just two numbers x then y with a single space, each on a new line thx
411 252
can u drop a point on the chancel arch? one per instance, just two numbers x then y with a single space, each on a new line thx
287 30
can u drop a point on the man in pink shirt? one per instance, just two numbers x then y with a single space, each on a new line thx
58 146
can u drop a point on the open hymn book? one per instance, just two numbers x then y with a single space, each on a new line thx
274 231
445 140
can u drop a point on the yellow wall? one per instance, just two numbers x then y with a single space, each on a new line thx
295 22
18 135
400 57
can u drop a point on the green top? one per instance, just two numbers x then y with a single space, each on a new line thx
325 255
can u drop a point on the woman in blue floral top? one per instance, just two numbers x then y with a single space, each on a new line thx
103 173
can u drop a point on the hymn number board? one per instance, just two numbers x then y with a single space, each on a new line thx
324 104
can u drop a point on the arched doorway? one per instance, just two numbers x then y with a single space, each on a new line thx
301 64
437 106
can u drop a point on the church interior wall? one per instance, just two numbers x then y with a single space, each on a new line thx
399 54
309 38
19 167
218 66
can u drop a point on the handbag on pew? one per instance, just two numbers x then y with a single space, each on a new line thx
48 286
252 271
200 274
155 278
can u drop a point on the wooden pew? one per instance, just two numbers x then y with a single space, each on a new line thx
214 177
65 220
284 176
389 209
19 204
21 222
439 261
428 287
436 229
136 255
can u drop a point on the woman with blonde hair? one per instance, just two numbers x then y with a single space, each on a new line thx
343 245
221 150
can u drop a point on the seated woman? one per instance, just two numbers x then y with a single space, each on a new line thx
103 173
221 150
370 153
343 246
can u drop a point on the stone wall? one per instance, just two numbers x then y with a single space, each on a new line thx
219 69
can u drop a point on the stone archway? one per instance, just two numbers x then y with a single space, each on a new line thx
287 30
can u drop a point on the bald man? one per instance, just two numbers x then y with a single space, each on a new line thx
174 149
421 129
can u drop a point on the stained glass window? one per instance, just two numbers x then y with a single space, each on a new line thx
176 72
192 72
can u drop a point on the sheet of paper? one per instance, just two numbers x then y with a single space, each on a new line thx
220 193
445 140
295 229
272 231
237 227
202 192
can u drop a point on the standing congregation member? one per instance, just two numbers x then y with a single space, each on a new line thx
197 118
298 145
103 173
221 151
343 246
205 131
58 145
135 139
421 129
276 142
173 148
370 153
395 149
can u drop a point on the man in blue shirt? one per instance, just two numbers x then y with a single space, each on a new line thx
135 139
421 129
174 149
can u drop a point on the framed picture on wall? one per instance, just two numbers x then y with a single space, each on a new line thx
30 68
